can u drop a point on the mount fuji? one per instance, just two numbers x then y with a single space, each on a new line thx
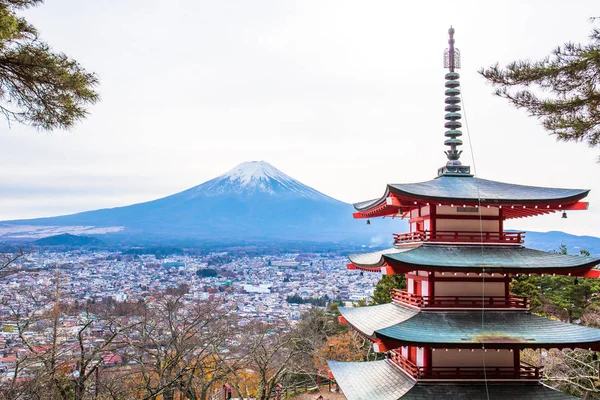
253 201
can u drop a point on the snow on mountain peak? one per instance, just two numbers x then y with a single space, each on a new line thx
254 177
253 171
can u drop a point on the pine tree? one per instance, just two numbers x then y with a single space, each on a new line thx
563 297
38 86
383 289
562 90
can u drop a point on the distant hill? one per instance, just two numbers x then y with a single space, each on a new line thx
69 240
549 241
252 202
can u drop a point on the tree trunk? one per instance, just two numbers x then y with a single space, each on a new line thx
261 391
79 389
169 394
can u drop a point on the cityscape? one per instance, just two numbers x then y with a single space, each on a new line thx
256 289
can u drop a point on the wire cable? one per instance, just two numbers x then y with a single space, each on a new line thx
479 209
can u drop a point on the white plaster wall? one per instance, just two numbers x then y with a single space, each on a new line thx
405 351
447 210
410 285
462 225
427 225
461 275
420 356
425 211
469 288
424 288
468 358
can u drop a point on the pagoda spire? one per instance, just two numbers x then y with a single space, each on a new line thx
452 62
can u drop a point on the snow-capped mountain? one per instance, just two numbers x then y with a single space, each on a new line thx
255 177
253 201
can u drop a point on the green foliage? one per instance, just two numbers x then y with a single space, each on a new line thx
295 299
38 86
563 297
361 303
334 309
332 314
319 324
528 286
568 79
383 289
206 272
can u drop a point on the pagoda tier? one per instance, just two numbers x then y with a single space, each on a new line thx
472 259
391 326
383 380
515 201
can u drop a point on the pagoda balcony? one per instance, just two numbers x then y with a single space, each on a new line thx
525 371
506 238
402 297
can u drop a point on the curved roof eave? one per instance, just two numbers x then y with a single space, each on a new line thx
507 259
382 380
472 189
495 259
369 319
371 380
568 199
365 205
374 259
507 329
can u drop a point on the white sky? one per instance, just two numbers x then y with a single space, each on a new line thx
344 96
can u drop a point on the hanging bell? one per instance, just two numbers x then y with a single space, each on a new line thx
369 221
564 214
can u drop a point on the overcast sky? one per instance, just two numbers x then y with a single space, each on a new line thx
344 96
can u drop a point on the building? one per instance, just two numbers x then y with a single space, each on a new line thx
456 332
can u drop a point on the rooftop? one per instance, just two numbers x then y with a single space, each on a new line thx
471 191
502 259
466 329
382 381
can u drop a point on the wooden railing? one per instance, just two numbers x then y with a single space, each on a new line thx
403 297
456 237
524 372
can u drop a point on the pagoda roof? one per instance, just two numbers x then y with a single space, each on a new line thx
437 257
516 201
370 319
371 380
383 381
503 329
470 189
374 258
510 328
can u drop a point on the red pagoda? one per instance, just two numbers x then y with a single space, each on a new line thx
456 332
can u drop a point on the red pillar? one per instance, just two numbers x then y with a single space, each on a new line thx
517 362
427 356
431 293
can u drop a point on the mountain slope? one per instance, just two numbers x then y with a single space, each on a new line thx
252 201
551 241
69 240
